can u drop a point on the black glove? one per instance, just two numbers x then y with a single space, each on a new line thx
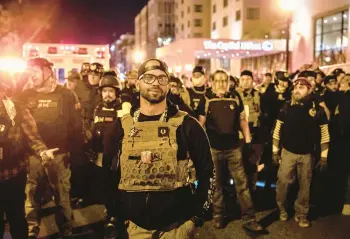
90 154
322 164
247 151
276 158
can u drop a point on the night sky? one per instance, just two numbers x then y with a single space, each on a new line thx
93 21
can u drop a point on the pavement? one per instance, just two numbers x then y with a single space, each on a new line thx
90 219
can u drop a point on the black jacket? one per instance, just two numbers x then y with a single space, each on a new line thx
156 210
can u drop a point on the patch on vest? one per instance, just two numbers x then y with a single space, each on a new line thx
163 132
109 119
47 104
312 112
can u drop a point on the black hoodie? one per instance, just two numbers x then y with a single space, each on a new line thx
157 210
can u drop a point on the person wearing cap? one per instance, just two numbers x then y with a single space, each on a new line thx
174 94
53 108
198 89
71 82
234 82
331 93
320 75
251 102
103 175
222 114
130 93
267 80
296 130
339 73
163 152
89 98
344 85
17 125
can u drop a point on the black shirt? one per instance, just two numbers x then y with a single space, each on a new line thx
217 140
301 126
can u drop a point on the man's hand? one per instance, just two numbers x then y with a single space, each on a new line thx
322 164
91 155
276 159
47 156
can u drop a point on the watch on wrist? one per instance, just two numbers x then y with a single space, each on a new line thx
198 222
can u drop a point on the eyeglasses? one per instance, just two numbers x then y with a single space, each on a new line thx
150 79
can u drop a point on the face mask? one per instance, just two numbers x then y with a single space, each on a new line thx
198 81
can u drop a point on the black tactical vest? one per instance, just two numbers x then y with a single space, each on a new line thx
103 118
48 112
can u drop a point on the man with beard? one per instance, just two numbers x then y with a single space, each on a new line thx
53 108
302 116
198 90
163 151
17 126
251 102
222 114
130 95
174 94
100 153
87 92
331 94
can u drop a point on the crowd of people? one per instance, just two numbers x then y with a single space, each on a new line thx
156 153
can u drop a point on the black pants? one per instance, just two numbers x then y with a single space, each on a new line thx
103 188
81 175
12 198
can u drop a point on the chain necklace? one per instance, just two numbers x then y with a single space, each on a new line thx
163 117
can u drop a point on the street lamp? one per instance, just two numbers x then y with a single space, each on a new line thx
289 7
138 56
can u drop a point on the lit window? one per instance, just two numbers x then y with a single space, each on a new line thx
225 3
214 26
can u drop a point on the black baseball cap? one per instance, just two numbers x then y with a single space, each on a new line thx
282 76
159 65
330 79
247 73
199 69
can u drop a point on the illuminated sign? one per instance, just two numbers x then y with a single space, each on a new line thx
238 45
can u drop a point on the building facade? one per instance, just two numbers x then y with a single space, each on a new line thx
154 27
192 19
320 33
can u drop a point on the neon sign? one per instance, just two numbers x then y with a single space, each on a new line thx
238 45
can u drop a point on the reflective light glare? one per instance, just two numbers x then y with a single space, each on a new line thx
345 16
335 18
288 5
231 181
325 21
328 59
12 65
188 67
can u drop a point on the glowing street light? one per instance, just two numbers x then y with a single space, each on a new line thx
288 5
138 56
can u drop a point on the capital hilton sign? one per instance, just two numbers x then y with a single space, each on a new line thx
238 45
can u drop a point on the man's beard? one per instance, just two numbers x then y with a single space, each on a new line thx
148 95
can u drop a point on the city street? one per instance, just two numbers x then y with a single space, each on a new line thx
328 227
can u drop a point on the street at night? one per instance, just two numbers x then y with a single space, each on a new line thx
174 119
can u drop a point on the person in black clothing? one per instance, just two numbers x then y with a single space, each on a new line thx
174 95
320 75
198 90
89 98
271 103
222 114
299 123
130 95
163 151
339 73
331 94
53 108
101 154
